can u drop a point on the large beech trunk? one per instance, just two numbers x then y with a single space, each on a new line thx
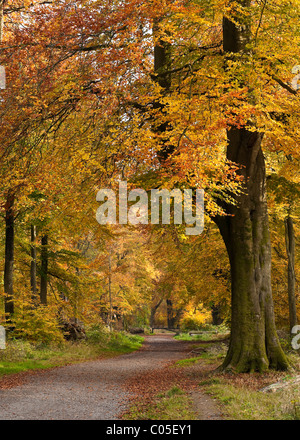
254 345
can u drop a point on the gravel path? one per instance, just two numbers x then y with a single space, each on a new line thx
93 390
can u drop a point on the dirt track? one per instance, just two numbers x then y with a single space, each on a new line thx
94 390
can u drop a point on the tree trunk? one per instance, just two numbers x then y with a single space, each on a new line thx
9 256
109 291
290 249
173 316
1 19
33 282
44 270
162 60
153 312
216 316
170 313
254 344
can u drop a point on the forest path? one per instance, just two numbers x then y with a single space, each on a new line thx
101 389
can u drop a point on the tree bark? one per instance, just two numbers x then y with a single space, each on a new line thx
173 316
1 19
290 249
153 312
254 344
109 290
216 315
33 271
162 60
9 255
44 270
170 313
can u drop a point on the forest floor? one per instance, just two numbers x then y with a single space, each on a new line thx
110 389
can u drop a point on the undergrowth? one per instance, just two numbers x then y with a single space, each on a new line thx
21 355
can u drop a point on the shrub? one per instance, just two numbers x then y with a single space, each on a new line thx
36 324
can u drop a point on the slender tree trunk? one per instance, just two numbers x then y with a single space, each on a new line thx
254 344
9 229
216 316
173 316
170 314
33 271
290 249
1 19
109 291
153 312
44 270
9 255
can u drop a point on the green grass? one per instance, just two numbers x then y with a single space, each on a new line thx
175 404
210 353
240 403
189 361
238 396
23 356
187 337
209 332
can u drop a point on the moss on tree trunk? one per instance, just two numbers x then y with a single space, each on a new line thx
254 345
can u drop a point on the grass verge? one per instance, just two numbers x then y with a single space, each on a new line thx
243 403
174 404
239 396
207 333
23 356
